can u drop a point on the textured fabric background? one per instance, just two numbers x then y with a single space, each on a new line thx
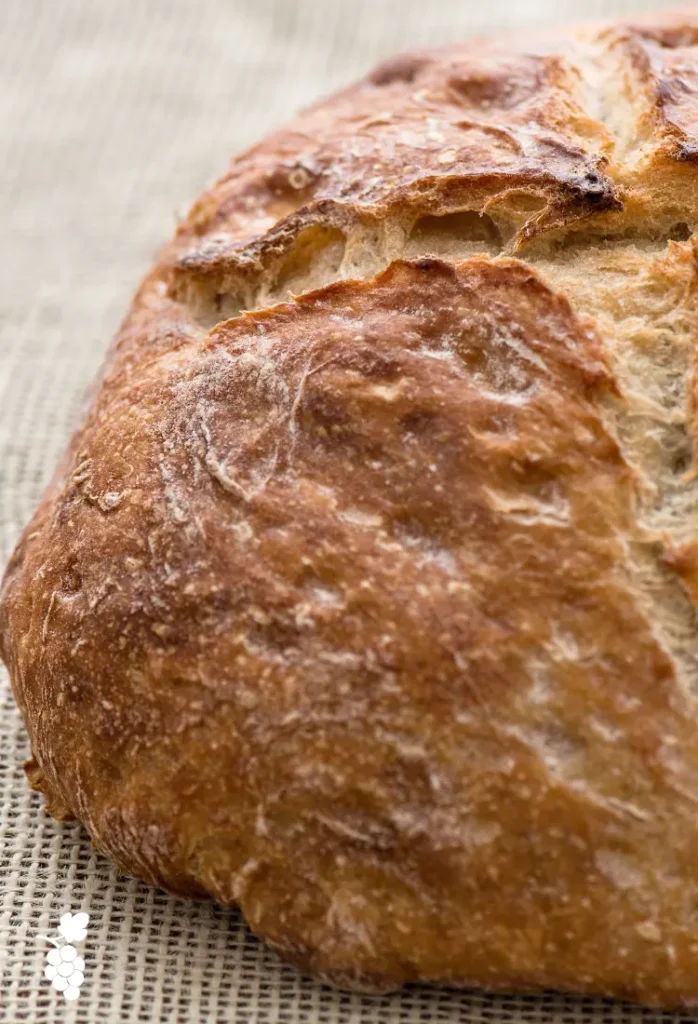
114 114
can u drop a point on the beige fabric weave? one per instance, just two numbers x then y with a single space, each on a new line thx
113 115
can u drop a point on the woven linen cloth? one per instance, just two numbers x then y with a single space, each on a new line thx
114 114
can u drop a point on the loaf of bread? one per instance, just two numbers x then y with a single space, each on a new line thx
365 596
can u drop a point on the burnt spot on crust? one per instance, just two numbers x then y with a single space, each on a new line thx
592 188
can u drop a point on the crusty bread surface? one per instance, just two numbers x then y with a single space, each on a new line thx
365 595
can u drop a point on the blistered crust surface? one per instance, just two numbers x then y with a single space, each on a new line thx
372 609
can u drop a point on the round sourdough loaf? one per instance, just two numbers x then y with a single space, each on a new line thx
365 594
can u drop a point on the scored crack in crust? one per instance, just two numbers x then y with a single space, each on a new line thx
365 596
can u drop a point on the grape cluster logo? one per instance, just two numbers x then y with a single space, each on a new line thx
65 969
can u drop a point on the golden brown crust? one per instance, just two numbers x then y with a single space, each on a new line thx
372 609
